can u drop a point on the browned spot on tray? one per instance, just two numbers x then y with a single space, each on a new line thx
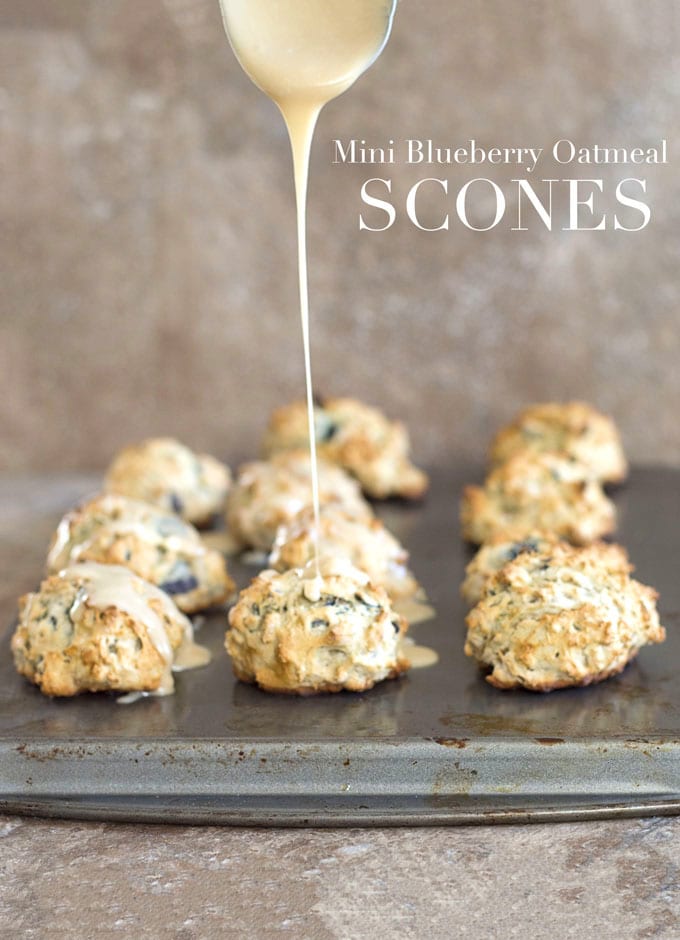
549 741
452 742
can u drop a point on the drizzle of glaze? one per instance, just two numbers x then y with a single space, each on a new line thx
302 54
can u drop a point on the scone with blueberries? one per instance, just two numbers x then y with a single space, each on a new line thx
156 545
574 429
97 628
365 543
356 437
536 491
270 493
165 473
561 617
291 632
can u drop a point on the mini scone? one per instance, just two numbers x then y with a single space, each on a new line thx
574 429
358 438
365 543
158 546
95 628
535 491
290 632
165 473
269 494
563 617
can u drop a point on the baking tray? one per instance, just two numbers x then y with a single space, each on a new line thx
438 746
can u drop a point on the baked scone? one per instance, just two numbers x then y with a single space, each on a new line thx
165 473
535 491
358 438
494 555
294 633
269 494
95 628
158 546
563 617
573 429
365 543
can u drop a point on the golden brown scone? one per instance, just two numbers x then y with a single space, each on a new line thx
158 546
534 491
293 633
356 437
574 429
365 543
165 473
563 617
94 628
269 494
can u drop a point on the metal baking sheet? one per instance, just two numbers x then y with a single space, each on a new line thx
438 746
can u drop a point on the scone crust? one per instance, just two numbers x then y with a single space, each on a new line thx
159 547
66 645
269 494
564 617
345 638
494 555
358 438
165 473
538 491
574 429
365 543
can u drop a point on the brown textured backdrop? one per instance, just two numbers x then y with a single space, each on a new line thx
147 276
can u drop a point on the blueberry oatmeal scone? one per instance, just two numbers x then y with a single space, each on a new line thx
358 438
533 491
156 545
561 617
269 494
95 628
292 633
165 473
574 429
365 543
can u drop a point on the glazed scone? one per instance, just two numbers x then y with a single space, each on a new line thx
573 429
269 494
165 473
291 633
95 628
564 617
358 438
534 491
365 543
494 555
158 546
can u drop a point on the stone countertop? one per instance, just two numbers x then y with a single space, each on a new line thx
618 879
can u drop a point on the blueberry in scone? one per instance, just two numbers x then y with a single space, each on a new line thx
95 628
156 545
561 617
291 632
269 494
538 491
165 473
356 437
365 543
574 429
